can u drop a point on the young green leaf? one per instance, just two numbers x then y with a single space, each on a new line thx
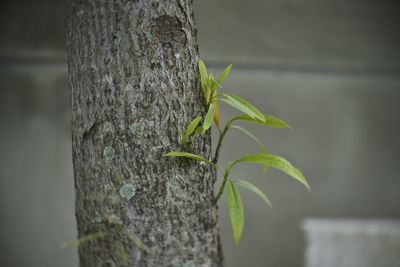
192 126
213 100
253 189
243 105
198 131
208 96
268 120
236 211
211 76
213 84
204 76
216 114
276 162
209 118
192 156
183 137
262 147
224 74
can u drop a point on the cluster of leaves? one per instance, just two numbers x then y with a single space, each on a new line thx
250 114
209 86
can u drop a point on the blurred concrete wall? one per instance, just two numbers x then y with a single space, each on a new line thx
352 242
329 68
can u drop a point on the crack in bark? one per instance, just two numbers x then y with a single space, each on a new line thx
92 131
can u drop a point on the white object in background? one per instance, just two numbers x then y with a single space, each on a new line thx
352 243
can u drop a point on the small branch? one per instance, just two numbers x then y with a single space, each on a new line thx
221 138
221 189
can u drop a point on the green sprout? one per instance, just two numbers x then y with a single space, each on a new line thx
250 114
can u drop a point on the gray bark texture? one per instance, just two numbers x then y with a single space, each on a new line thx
134 86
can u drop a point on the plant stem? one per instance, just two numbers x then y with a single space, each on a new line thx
221 138
215 160
221 189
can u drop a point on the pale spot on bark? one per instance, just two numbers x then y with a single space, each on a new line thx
127 191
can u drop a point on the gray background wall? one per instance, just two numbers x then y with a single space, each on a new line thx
329 68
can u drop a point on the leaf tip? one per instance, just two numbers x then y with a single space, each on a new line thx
309 188
305 183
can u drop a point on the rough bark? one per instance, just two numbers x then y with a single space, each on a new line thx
134 85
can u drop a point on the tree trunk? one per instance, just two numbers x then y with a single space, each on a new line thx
134 86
